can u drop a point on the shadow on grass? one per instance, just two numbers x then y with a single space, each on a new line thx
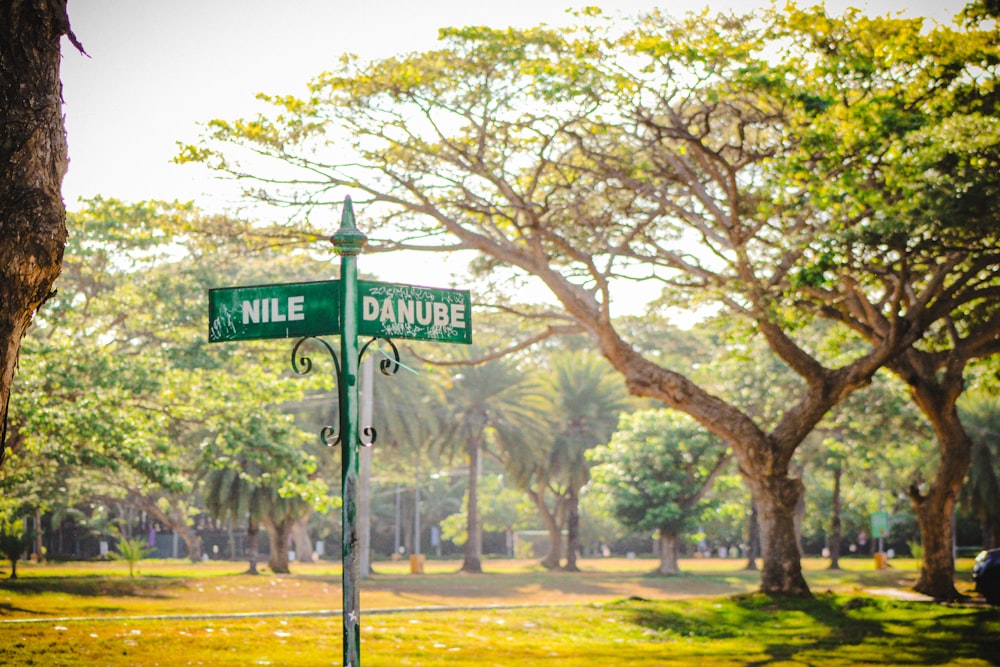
93 586
7 608
830 629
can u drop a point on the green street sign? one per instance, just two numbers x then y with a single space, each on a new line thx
880 524
389 310
291 310
295 310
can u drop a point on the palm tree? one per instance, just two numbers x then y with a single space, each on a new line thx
493 402
587 398
981 492
229 495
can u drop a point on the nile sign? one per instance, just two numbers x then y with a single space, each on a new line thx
292 310
295 310
418 313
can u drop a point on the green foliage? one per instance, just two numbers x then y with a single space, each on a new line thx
656 469
501 508
120 396
131 550
586 399
15 541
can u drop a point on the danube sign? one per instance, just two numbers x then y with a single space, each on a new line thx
417 313
296 310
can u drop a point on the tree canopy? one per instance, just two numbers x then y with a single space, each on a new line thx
766 164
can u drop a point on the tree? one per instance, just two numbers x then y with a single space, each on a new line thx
586 401
981 492
260 473
664 151
230 497
494 402
33 162
875 440
14 543
131 550
502 508
915 196
657 469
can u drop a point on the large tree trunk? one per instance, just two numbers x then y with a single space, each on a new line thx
835 524
935 508
33 162
278 533
936 394
669 545
776 498
473 562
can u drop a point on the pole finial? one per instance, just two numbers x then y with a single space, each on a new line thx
348 240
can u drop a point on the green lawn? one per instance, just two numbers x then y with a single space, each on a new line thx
612 614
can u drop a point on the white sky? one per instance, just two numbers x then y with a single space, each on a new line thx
158 69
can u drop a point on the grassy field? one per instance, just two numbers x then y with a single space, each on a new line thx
613 613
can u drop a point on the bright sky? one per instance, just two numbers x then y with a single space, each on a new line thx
158 69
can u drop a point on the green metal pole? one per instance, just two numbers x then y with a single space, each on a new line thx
348 242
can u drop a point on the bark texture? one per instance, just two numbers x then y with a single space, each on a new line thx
279 533
670 549
937 396
33 161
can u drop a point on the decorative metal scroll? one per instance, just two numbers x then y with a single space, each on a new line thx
303 365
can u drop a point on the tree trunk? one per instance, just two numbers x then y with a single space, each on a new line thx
552 525
936 394
669 553
301 540
279 533
573 532
776 499
39 547
753 539
253 545
934 515
935 509
473 562
835 525
32 165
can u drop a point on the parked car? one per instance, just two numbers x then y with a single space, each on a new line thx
986 575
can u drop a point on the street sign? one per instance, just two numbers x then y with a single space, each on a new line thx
290 310
880 524
390 310
296 310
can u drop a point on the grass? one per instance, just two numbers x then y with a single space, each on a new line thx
614 613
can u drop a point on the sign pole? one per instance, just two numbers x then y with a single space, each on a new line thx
348 242
346 307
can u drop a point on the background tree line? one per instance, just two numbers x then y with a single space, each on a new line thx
826 185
